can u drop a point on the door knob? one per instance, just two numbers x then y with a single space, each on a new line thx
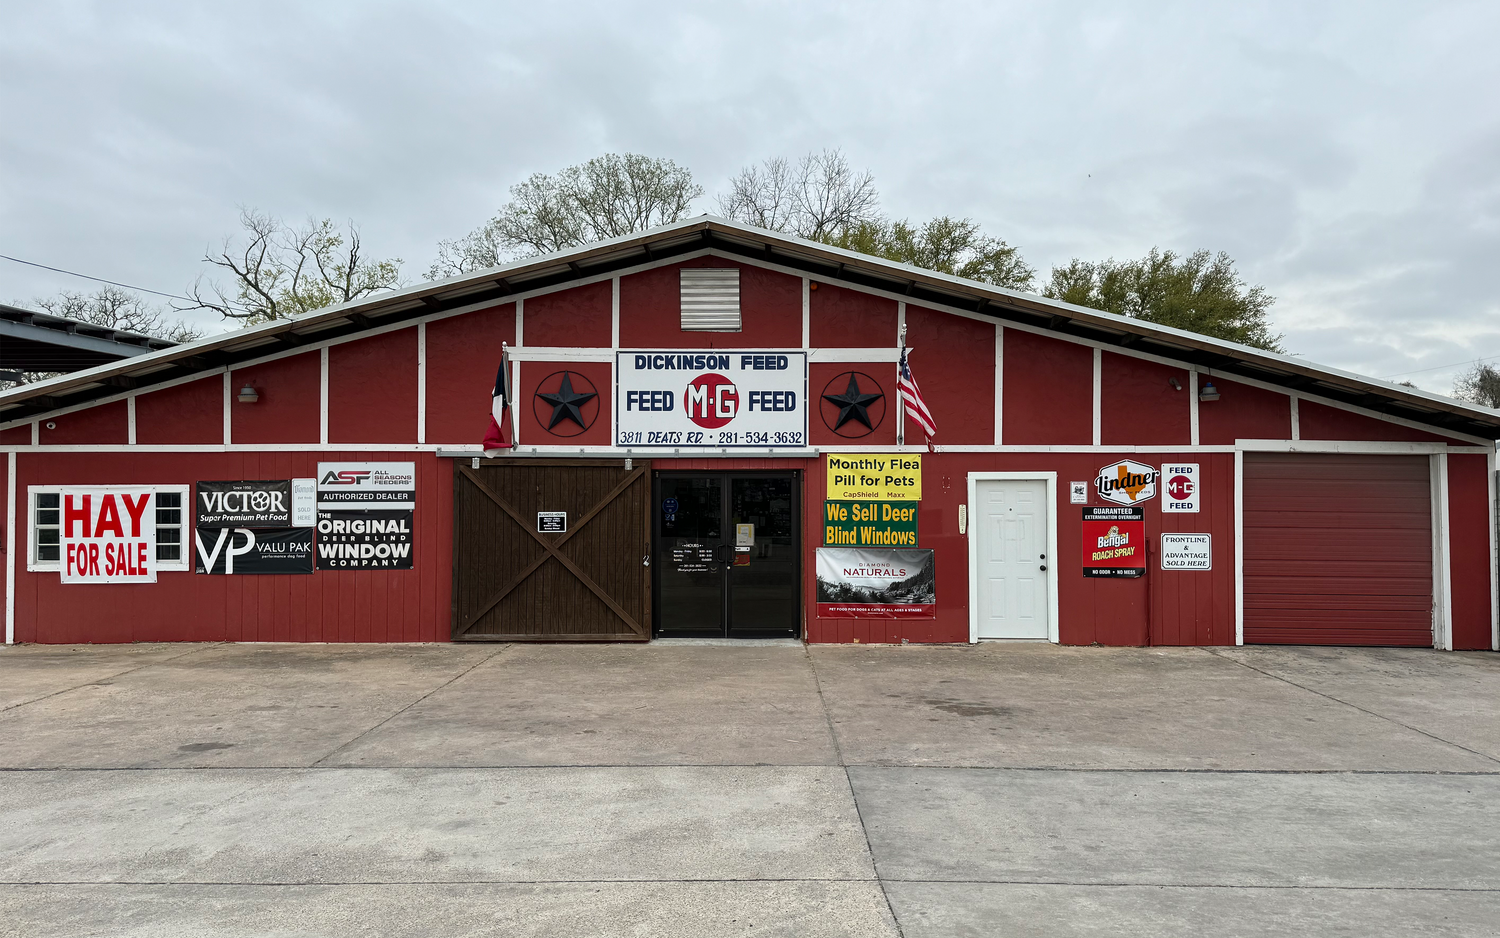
1043 567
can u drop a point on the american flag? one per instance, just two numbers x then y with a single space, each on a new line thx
911 396
496 436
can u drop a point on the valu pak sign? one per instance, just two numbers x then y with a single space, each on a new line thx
712 399
108 534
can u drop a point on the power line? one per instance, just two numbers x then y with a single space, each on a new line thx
113 283
1440 367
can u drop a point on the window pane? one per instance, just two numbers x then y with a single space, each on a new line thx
48 500
48 516
47 536
47 553
169 535
168 551
169 499
169 516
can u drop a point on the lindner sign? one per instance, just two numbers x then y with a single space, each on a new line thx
750 399
1127 482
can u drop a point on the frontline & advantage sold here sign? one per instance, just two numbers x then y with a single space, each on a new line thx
711 399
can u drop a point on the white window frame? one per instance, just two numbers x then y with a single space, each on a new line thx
181 565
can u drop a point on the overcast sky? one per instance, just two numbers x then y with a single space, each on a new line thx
1346 155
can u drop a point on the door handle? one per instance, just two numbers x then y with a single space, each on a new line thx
646 560
1043 567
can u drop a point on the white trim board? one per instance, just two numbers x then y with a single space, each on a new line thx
1442 569
1050 477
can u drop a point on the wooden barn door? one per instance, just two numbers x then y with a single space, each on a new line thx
512 583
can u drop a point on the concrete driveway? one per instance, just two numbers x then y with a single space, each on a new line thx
715 790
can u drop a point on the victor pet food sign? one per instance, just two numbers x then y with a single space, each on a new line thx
108 534
715 399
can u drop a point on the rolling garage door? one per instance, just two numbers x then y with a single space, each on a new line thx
1338 549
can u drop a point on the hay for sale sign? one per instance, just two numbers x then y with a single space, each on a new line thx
1114 542
716 399
108 534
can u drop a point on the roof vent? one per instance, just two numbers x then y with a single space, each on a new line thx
710 299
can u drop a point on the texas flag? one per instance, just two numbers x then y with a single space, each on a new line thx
499 435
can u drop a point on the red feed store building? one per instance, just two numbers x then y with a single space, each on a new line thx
709 441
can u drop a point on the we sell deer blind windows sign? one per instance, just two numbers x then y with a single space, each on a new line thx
751 399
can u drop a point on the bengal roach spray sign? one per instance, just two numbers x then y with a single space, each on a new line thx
1114 542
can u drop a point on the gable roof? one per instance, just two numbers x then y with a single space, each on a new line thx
734 240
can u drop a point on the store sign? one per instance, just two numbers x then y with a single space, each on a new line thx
1187 552
716 399
304 503
108 534
1127 482
875 477
870 524
259 551
1180 482
365 540
876 584
351 485
1078 493
1114 542
263 504
551 522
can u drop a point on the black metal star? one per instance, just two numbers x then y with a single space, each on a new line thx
566 403
852 404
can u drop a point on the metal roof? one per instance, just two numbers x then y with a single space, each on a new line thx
31 341
734 240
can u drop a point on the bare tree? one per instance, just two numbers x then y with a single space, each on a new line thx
116 308
822 198
609 196
279 271
1479 385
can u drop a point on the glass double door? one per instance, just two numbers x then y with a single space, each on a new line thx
727 558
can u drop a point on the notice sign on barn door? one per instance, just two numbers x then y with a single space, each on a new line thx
1114 542
108 534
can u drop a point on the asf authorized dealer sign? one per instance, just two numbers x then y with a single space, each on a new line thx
715 399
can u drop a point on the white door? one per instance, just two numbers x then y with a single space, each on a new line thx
1011 521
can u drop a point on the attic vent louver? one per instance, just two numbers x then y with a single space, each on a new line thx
710 299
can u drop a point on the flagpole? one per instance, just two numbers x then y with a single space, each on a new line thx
900 404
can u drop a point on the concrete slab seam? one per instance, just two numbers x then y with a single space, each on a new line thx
1378 716
368 730
110 677
853 798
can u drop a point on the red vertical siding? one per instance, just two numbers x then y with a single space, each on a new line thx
535 414
1321 422
98 425
16 436
1049 390
1469 555
463 354
1243 412
953 360
840 318
287 411
1139 406
372 389
186 413
395 605
650 310
577 317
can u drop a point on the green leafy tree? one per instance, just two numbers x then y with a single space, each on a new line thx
609 196
949 245
277 271
1200 292
1479 385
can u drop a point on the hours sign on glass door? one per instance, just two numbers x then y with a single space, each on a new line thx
718 399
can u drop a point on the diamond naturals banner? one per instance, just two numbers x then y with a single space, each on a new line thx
365 540
241 551
261 504
876 584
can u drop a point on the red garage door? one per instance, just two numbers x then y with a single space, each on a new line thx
1338 550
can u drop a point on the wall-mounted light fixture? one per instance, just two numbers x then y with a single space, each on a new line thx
1176 385
1208 392
248 395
